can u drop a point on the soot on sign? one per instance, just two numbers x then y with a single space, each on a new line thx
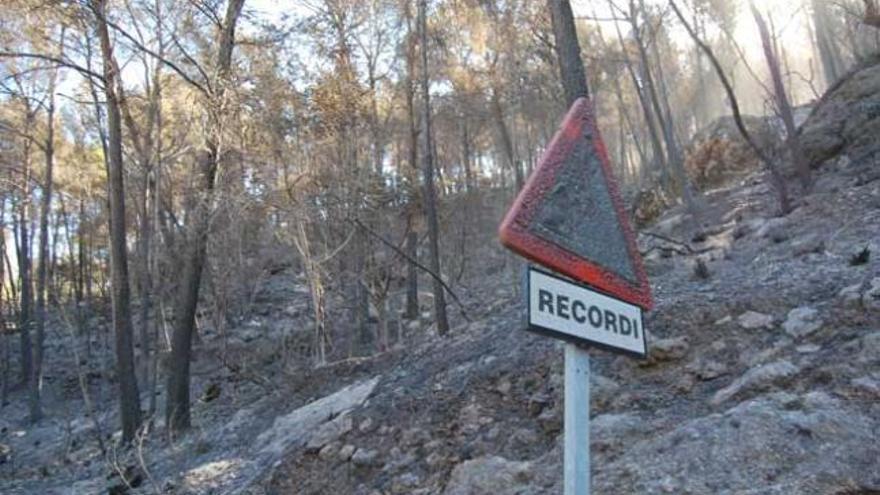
577 214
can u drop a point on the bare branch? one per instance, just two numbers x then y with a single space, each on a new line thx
59 62
171 65
415 263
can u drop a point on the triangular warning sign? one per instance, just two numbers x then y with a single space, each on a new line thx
569 216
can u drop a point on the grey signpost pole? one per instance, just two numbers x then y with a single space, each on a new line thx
576 429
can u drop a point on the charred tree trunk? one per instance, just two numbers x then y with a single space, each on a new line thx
412 238
624 111
43 255
568 51
129 398
667 126
25 267
430 193
506 141
4 331
653 134
177 408
783 105
466 155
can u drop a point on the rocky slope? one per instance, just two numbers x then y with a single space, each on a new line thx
764 376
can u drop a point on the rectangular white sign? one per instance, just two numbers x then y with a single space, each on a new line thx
573 312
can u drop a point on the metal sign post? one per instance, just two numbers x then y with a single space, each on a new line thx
581 316
577 421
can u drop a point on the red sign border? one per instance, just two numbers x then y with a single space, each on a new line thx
514 233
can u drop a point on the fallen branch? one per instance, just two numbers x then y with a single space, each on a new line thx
686 247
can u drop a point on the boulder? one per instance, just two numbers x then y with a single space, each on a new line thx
329 432
365 458
491 475
752 320
304 423
707 369
346 452
778 444
615 431
664 350
405 483
802 321
756 379
871 296
870 352
329 451
846 120
773 228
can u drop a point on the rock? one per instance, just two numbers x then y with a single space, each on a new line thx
436 460
602 389
493 433
752 320
614 431
867 386
845 121
365 457
488 360
5 451
330 432
766 354
802 321
550 421
756 379
871 297
405 483
367 425
414 436
490 476
329 451
811 244
870 348
537 402
299 425
399 460
808 348
774 229
524 437
503 387
433 445
708 369
94 485
469 418
664 350
724 321
851 296
778 444
346 452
